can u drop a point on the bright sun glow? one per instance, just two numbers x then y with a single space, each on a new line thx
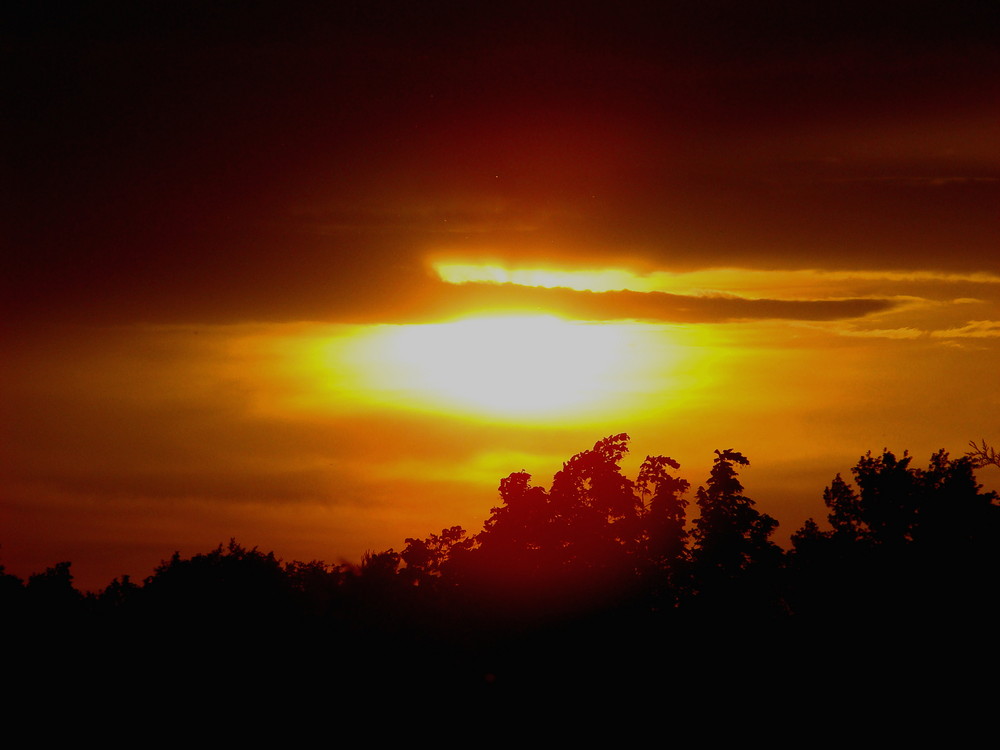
519 367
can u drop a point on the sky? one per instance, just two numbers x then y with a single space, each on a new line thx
317 276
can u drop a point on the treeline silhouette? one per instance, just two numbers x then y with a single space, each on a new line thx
597 578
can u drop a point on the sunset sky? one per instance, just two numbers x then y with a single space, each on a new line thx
319 279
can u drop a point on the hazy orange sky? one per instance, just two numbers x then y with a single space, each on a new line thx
318 277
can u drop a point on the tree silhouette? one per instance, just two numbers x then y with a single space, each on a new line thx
665 551
320 588
52 592
379 566
666 515
905 543
983 455
591 535
228 591
596 578
427 559
730 534
11 590
896 504
118 595
595 512
734 559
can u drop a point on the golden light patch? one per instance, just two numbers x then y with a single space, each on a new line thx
518 367
593 281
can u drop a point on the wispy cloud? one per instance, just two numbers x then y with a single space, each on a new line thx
884 333
655 306
976 329
745 282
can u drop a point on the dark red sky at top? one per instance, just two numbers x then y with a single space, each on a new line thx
232 161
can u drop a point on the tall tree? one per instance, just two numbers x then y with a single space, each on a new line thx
666 515
733 554
595 509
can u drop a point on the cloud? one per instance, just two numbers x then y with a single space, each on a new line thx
973 329
651 306
943 277
885 333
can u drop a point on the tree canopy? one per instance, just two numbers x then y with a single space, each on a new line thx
596 556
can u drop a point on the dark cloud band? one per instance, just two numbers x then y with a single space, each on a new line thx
630 305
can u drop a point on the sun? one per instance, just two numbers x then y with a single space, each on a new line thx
517 366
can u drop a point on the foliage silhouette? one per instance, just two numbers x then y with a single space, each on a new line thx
228 582
905 544
983 455
596 577
895 505
588 540
734 558
427 559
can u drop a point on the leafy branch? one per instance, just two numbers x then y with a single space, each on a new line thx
983 455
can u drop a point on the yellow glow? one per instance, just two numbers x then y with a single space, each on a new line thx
594 281
511 366
518 369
